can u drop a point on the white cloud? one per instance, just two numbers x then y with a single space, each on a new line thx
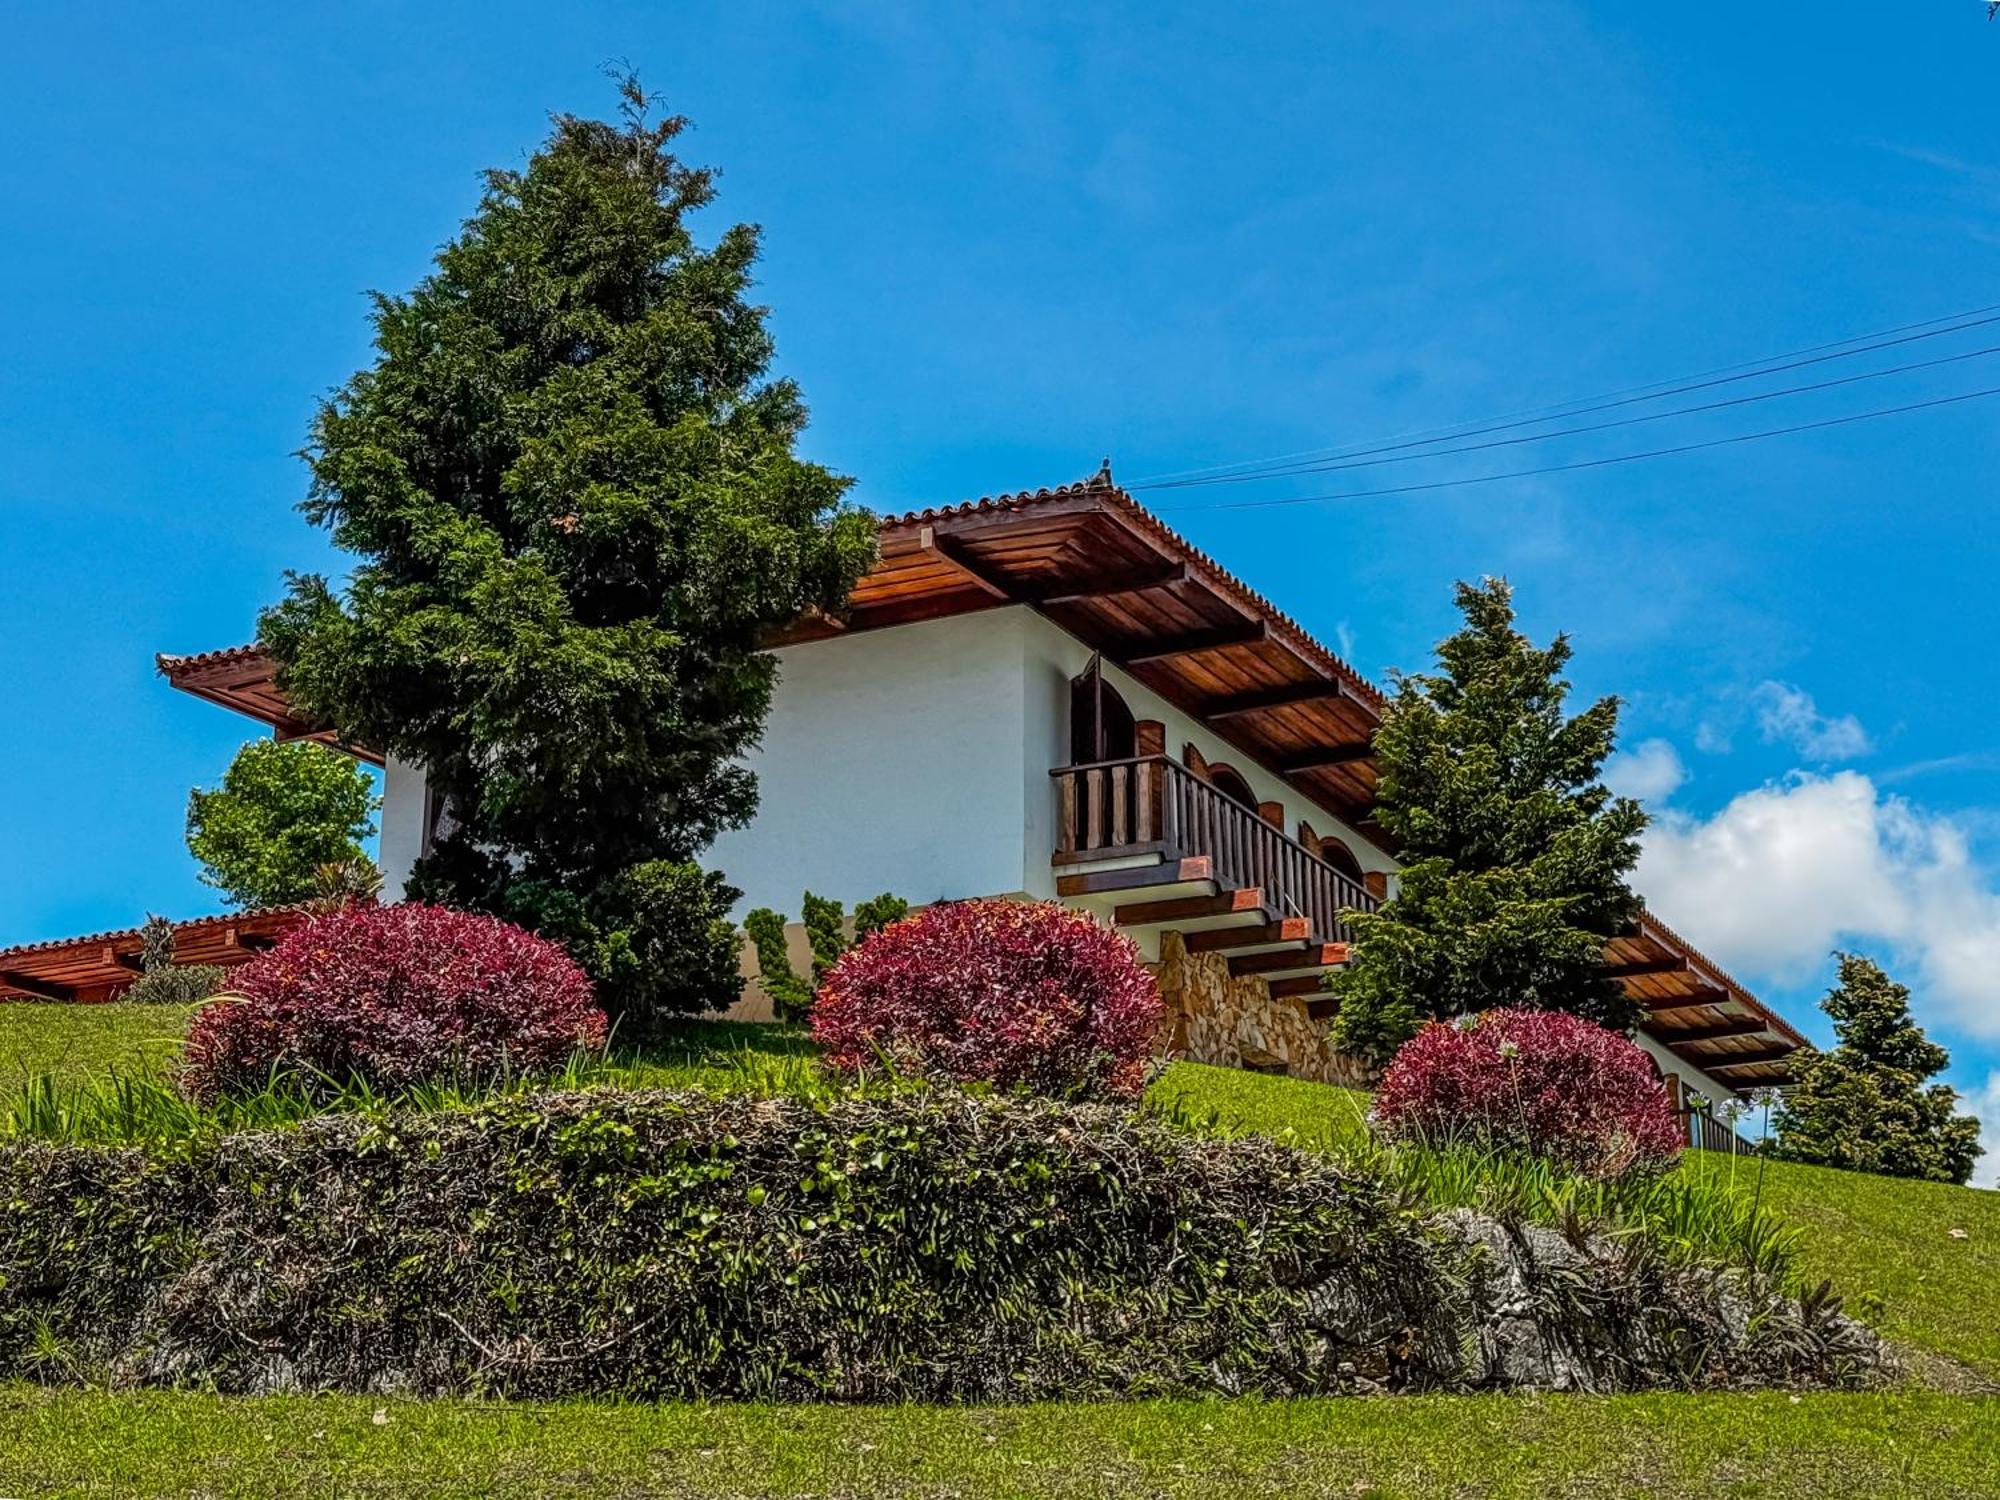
1791 870
1712 738
1788 714
1985 1103
1650 771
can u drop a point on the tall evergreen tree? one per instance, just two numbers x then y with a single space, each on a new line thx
1516 854
571 490
1864 1105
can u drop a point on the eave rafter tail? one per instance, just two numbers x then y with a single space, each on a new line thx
1320 690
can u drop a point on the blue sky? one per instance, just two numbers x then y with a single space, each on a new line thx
1004 242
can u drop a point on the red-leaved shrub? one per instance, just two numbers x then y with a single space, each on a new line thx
393 995
1537 1081
1009 992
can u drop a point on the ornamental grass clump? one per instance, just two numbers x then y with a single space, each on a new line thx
392 996
1533 1082
1014 993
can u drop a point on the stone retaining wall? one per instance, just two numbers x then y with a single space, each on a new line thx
1213 1017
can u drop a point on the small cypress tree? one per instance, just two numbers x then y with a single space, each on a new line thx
1516 854
1864 1104
161 981
826 935
570 489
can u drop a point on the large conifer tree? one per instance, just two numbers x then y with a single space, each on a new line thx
1864 1105
570 488
1516 854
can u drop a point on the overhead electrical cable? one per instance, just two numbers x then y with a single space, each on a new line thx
1583 406
1334 466
1592 463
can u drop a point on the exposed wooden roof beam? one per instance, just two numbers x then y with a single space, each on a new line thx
1312 956
1300 984
1322 1010
1249 633
130 961
1737 1026
1137 877
1324 756
28 984
955 557
1132 583
1734 1060
1639 969
1685 1002
1237 704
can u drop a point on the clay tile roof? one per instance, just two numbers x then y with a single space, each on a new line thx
169 664
1100 485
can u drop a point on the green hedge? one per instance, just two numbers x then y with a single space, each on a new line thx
924 1245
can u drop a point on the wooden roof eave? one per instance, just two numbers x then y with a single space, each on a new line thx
100 965
1698 1011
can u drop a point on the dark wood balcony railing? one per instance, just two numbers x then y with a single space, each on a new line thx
1152 804
1708 1133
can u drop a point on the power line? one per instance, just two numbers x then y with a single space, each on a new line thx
1593 463
1562 432
1585 405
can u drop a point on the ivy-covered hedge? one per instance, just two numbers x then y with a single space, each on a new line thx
926 1245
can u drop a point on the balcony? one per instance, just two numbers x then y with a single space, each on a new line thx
1172 850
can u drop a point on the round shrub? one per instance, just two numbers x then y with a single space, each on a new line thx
393 995
1536 1081
1007 992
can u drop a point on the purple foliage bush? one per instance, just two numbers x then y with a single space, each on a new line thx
1541 1082
1012 993
394 995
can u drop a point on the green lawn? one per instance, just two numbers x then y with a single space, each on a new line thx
1772 1446
80 1041
1887 1244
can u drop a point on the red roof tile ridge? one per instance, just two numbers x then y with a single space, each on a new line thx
220 919
168 662
1101 483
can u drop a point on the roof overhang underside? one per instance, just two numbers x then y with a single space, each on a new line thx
1692 1007
100 966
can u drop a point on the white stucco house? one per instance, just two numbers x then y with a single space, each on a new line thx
1053 695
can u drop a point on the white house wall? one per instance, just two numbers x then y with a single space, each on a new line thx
1692 1078
916 760
891 761
402 825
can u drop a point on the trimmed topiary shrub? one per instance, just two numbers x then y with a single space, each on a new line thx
1536 1081
1013 993
394 995
926 1245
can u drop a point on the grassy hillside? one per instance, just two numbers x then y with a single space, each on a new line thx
1887 1244
83 1041
1771 1447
